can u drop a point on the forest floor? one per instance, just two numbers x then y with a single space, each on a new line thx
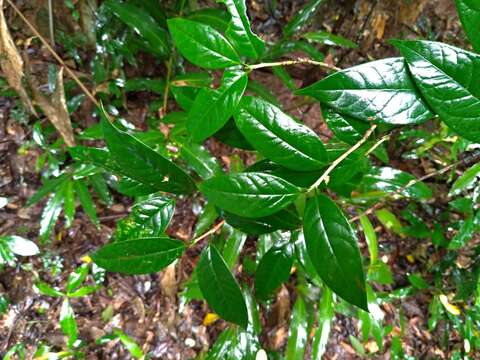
146 307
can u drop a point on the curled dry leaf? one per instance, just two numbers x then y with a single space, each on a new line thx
55 108
11 63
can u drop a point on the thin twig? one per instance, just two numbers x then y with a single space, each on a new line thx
342 157
50 22
169 65
54 53
208 233
293 62
475 156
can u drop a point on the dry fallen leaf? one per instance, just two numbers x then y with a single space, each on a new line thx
11 63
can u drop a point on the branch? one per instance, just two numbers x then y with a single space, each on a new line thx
469 159
54 53
293 62
209 232
342 157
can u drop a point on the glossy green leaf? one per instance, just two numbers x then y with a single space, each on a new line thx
45 289
185 96
326 38
332 246
220 288
230 135
380 91
202 45
370 237
301 18
200 160
345 128
468 180
154 214
263 92
249 194
273 270
139 256
390 221
68 323
216 18
469 13
447 78
463 236
298 332
131 187
69 204
278 137
51 212
390 180
233 246
285 219
206 219
141 22
86 201
239 33
143 164
325 318
212 108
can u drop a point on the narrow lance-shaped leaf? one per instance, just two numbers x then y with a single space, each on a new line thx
448 79
212 108
379 91
51 212
250 194
469 13
469 178
332 246
220 288
278 137
86 201
139 256
325 317
239 33
202 45
298 333
68 323
302 18
144 164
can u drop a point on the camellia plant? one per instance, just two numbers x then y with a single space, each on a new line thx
294 198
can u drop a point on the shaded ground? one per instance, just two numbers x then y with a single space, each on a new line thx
145 307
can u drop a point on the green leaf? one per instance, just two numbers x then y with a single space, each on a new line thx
45 289
47 187
185 96
370 237
212 108
233 246
469 13
298 333
273 270
283 220
139 256
345 128
326 38
200 160
390 180
447 77
239 33
468 180
69 204
86 201
379 91
278 137
68 323
325 318
76 278
220 288
390 221
332 245
202 45
83 291
216 18
141 22
144 164
230 135
51 212
133 348
205 219
463 236
154 214
249 194
302 18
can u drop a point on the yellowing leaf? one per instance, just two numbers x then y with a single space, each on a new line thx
210 318
86 259
452 309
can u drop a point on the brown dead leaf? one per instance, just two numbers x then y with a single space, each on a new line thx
11 63
168 281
